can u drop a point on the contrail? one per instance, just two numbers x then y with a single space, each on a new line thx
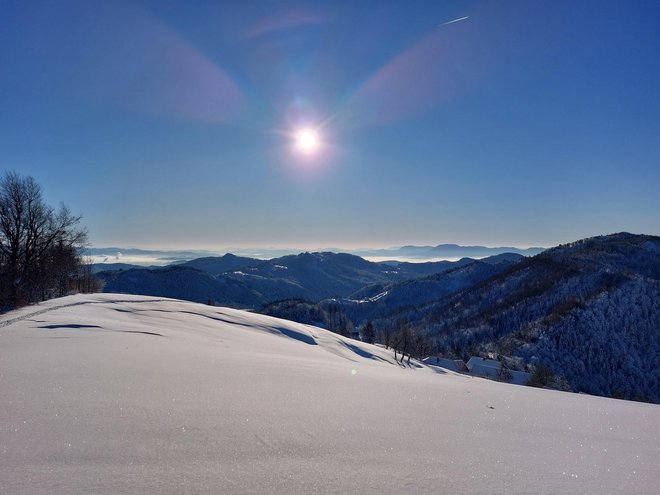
455 20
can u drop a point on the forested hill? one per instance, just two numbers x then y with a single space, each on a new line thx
589 311
249 283
587 314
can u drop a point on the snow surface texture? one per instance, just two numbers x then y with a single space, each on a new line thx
130 394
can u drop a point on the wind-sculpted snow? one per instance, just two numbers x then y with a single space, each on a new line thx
131 394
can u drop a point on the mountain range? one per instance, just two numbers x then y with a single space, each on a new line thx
588 312
105 257
445 251
244 282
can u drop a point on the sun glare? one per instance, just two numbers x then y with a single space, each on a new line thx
307 140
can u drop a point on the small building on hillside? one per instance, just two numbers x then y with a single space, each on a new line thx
455 365
490 368
483 367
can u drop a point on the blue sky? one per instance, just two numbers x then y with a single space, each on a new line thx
171 124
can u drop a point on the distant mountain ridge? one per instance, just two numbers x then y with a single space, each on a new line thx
216 265
249 283
447 251
451 252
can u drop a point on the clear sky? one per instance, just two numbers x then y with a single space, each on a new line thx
173 123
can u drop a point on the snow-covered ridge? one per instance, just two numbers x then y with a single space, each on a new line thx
131 394
151 311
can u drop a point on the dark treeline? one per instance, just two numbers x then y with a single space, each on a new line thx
396 334
40 246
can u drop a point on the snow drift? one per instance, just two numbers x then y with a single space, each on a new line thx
129 394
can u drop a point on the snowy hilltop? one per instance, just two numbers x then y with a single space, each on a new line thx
131 394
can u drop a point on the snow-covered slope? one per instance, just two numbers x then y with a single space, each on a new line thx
130 394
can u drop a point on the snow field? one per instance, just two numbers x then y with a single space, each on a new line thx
128 394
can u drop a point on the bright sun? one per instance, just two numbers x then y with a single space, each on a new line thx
307 140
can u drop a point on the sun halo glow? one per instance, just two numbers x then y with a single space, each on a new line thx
307 140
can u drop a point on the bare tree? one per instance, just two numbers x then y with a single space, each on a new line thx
86 281
504 374
338 322
403 340
39 246
386 334
368 333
